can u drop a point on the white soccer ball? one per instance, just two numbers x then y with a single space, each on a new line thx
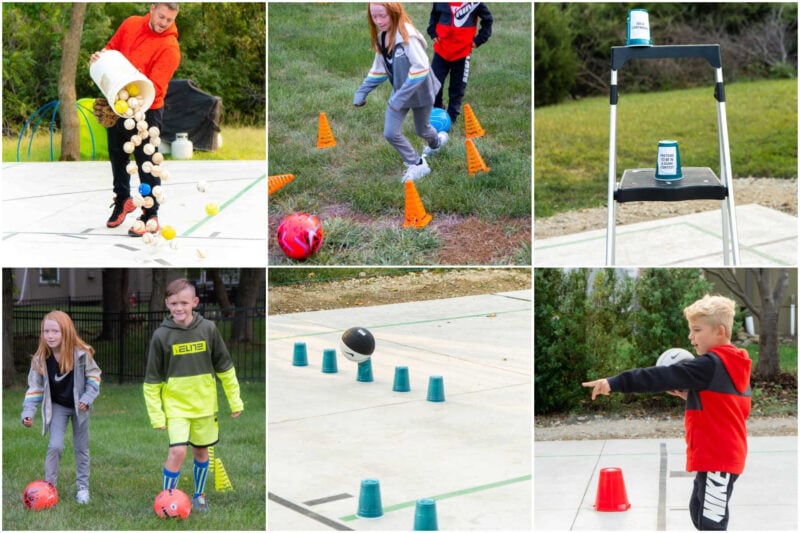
672 356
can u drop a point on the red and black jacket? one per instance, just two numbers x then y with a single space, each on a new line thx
454 25
717 405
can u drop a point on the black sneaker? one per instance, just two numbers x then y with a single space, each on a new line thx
121 210
137 230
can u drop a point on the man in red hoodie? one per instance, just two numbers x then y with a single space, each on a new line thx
716 387
150 43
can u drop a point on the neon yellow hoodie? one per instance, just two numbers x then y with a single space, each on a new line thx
182 364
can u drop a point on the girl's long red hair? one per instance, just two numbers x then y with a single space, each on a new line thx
69 341
397 14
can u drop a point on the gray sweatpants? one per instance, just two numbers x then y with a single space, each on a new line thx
393 131
80 441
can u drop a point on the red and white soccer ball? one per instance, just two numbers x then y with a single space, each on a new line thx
300 235
172 503
39 495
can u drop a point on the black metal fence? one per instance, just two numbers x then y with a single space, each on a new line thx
121 340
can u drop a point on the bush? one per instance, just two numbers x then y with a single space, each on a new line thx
555 61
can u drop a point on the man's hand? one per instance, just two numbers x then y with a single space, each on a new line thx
598 386
27 422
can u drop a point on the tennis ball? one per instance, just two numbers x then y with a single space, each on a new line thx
120 106
168 232
212 209
133 89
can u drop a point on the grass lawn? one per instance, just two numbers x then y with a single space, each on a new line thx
318 56
127 458
238 143
571 139
786 353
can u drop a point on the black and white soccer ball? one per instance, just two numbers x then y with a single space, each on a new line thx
357 344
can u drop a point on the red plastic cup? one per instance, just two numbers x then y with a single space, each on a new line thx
611 495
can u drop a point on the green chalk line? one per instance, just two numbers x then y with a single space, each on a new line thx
226 204
479 488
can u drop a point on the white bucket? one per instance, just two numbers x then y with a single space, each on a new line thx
181 147
112 72
638 28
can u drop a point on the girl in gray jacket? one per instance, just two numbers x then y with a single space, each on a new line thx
65 380
400 57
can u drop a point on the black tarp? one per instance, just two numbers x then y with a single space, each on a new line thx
189 109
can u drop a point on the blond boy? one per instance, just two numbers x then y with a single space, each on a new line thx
716 387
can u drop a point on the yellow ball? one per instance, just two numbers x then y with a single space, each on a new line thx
212 209
120 106
133 89
168 232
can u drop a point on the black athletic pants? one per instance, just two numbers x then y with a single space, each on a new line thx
710 496
117 136
459 72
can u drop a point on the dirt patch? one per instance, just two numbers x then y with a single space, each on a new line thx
471 241
778 194
463 240
599 427
379 290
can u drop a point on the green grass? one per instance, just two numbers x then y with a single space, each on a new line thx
127 457
318 56
571 147
238 143
786 353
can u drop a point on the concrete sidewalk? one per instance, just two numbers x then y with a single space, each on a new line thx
658 488
57 212
471 453
766 238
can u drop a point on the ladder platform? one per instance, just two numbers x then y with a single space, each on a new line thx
641 185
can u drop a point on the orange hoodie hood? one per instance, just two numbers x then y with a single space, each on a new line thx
156 55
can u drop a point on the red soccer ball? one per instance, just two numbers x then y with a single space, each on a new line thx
172 503
39 495
300 235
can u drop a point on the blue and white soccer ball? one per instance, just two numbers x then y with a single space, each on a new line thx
440 120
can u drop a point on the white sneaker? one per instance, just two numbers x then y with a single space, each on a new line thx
83 496
443 138
415 172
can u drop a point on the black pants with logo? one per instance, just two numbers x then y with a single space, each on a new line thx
459 73
710 496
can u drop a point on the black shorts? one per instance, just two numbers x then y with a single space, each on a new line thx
710 496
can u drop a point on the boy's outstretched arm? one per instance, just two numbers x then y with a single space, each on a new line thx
598 386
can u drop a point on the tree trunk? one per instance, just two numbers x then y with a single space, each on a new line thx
8 333
158 288
769 366
220 293
115 302
70 48
250 280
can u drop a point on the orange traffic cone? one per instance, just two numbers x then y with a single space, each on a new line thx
475 162
472 126
324 134
278 181
416 217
